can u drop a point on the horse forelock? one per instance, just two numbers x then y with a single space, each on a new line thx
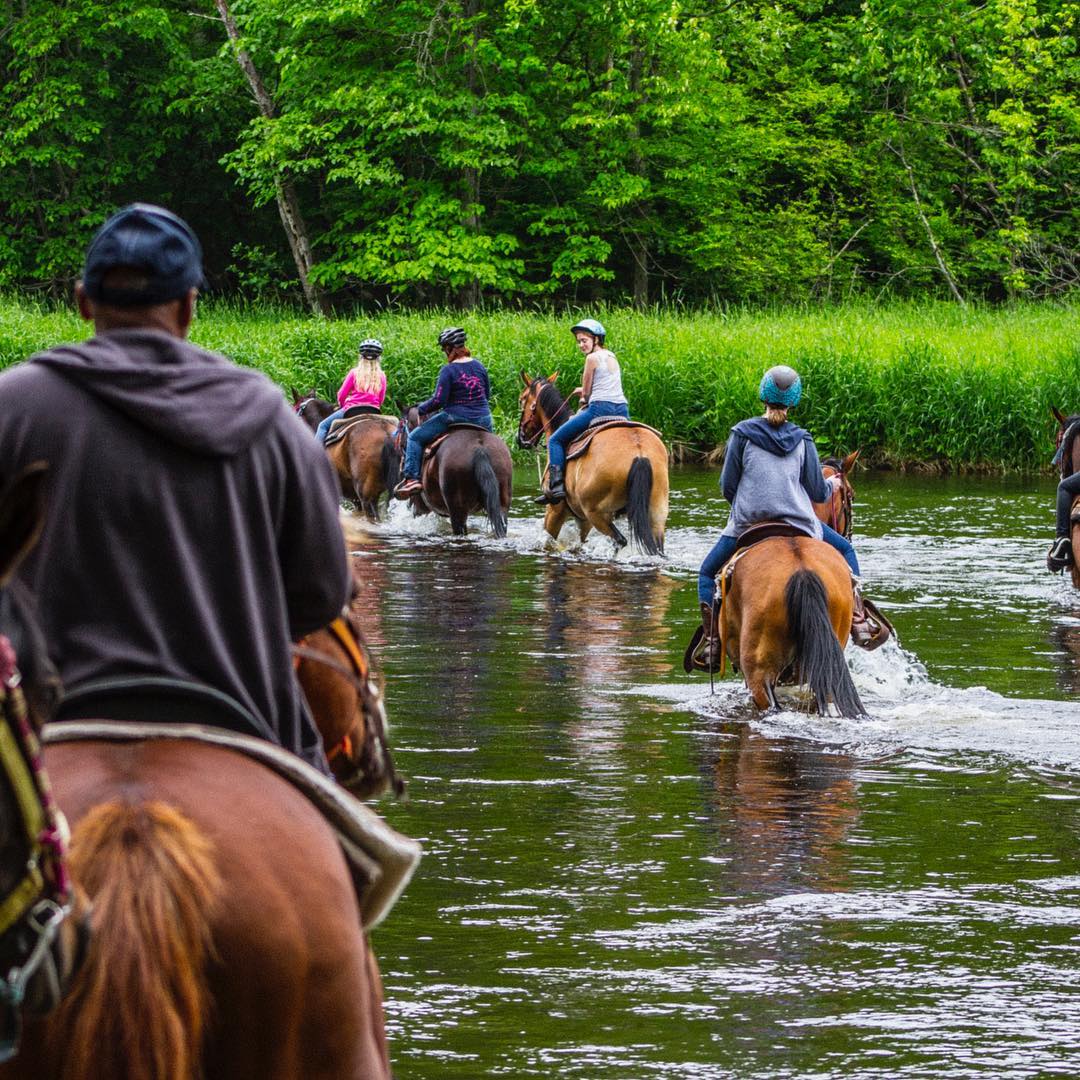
1066 440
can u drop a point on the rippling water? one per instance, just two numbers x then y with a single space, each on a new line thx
626 876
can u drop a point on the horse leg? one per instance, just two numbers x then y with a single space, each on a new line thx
608 527
554 519
759 685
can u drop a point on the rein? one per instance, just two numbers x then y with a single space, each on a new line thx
359 677
545 426
847 499
41 899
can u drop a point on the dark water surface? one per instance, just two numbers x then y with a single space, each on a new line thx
625 877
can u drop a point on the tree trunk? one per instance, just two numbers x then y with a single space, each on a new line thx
638 242
470 294
292 219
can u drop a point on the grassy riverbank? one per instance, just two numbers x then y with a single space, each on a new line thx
926 385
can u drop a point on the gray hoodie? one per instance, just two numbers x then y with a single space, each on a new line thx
192 529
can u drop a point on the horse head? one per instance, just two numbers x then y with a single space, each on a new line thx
344 692
542 409
1065 442
39 949
313 410
837 512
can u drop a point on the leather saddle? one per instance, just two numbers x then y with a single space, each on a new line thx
601 423
358 414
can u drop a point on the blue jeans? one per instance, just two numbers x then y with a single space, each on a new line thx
1067 490
564 435
324 428
725 548
429 431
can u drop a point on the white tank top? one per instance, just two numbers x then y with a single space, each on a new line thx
607 385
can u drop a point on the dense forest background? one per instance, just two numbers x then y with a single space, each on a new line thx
530 151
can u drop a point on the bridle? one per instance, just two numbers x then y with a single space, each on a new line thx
843 515
359 675
531 405
33 909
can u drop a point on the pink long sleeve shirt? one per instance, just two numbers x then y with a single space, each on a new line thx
350 394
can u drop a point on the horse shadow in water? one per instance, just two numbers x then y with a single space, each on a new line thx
467 470
367 458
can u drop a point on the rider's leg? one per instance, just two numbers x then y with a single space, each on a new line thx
324 427
1067 490
558 441
843 545
419 438
713 563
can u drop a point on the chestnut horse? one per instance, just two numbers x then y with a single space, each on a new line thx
785 617
837 511
1068 443
624 471
469 471
367 459
225 935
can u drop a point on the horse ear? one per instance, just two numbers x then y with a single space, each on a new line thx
296 399
849 461
1057 415
525 378
22 517
553 377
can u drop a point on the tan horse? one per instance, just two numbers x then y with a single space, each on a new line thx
785 617
1069 433
624 471
225 934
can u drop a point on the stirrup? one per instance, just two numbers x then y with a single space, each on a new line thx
1060 555
407 488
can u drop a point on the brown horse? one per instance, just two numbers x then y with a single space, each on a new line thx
368 458
469 470
837 512
785 616
225 940
625 471
1068 443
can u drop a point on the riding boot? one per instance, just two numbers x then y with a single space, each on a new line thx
869 628
555 491
703 652
1060 555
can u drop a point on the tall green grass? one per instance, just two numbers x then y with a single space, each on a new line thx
912 384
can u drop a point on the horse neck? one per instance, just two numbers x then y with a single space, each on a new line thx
557 403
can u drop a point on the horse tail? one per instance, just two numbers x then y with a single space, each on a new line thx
488 483
819 660
139 1006
391 463
639 484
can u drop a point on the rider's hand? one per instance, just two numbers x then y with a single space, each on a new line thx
836 482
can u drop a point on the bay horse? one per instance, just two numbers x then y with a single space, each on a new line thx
785 617
468 470
367 459
625 471
1067 442
225 934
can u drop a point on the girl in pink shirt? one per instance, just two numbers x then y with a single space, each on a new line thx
364 385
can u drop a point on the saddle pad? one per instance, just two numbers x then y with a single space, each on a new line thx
602 423
340 428
381 860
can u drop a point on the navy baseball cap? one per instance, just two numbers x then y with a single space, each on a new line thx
147 239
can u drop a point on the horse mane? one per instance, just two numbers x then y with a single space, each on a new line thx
1072 430
550 400
833 463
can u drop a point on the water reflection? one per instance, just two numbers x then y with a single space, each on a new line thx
784 810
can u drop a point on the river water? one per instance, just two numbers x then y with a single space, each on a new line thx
627 877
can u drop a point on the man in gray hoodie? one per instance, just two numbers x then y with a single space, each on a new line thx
192 530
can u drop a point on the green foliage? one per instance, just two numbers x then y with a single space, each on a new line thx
927 384
455 152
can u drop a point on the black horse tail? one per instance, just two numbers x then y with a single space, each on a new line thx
819 660
391 463
639 482
488 483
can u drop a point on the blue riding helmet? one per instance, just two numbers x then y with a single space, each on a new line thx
590 326
780 385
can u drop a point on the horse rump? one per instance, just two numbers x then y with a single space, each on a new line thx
488 483
639 485
819 659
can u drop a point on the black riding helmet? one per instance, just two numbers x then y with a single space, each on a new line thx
453 337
